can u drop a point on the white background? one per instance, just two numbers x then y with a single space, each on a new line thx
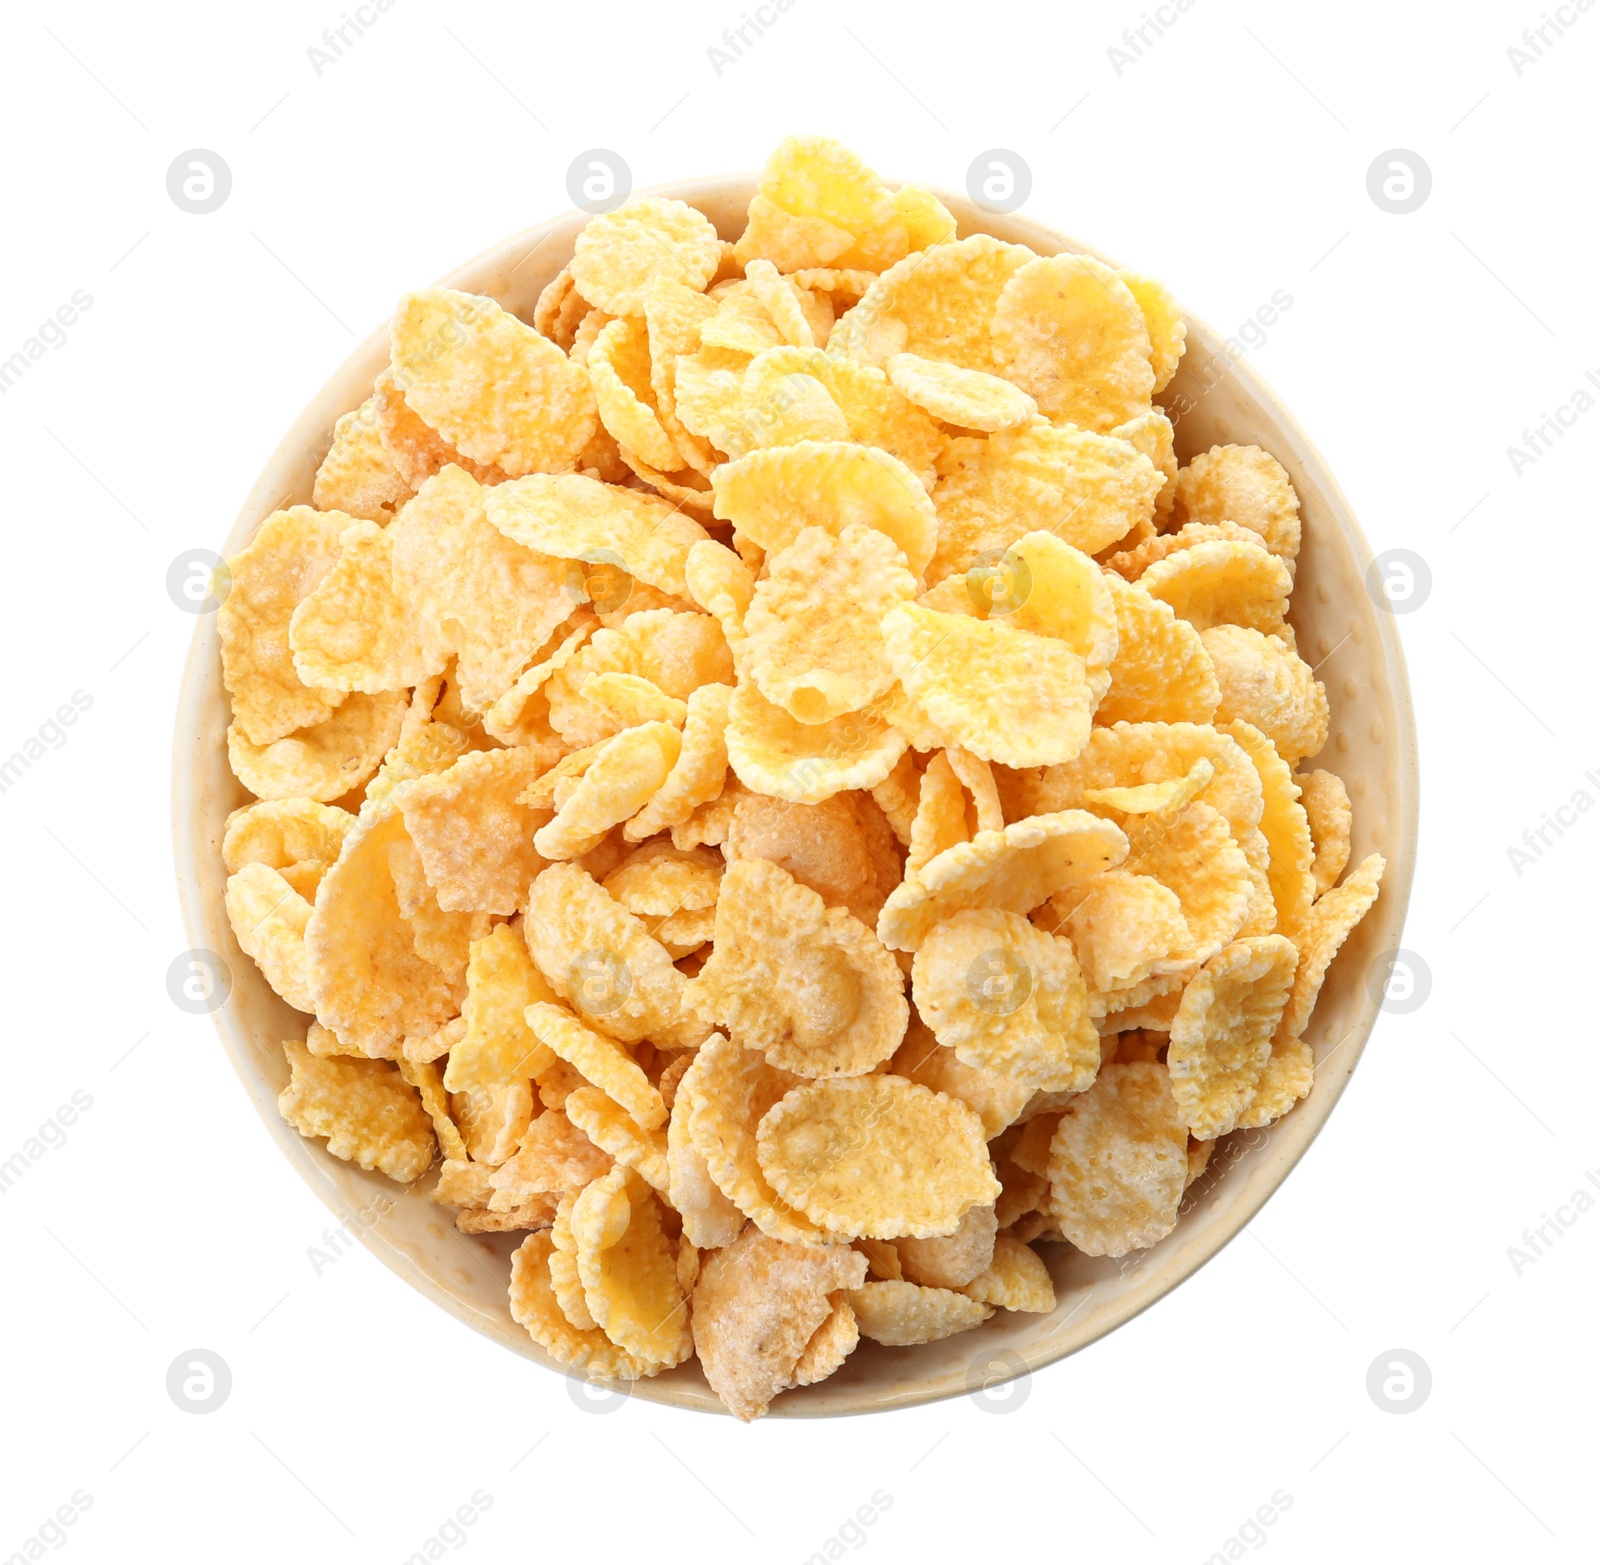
1230 161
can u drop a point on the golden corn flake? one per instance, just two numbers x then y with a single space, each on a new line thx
630 1285
781 302
1015 1279
554 1157
559 310
621 253
599 1060
698 773
977 777
876 1156
1162 672
770 752
1005 694
1267 684
951 1260
625 773
1160 798
269 919
967 398
901 1314
1222 583
707 390
1285 827
613 1129
1152 435
1119 1159
757 1305
534 1305
494 388
1071 334
807 985
1163 319
290 554
942 819
1221 1036
995 1098
1327 807
1195 856
631 699
1333 915
1132 561
365 1109
830 1345
324 762
619 371
742 323
772 494
281 833
789 241
1087 489
357 476
710 1219
1289 1073
1046 586
416 450
1125 927
811 634
1247 486
1007 998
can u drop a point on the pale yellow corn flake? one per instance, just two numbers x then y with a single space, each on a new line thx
967 398
1015 869
770 752
1118 1161
612 1128
631 1285
901 1314
1125 927
710 1219
559 309
577 518
600 1060
1269 685
742 323
876 1156
727 1091
839 282
708 397
757 1305
290 554
1333 915
358 476
494 388
698 774
534 1305
1285 827
708 824
951 1260
1151 433
1068 331
269 919
941 820
621 253
522 714
1247 486
807 986
1223 584
1195 856
817 177
1015 1279
898 796
619 372
995 1098
772 494
369 1114
1287 1077
1327 807
417 450
1134 560
811 634
781 301
1166 798
1007 998
282 833
441 937
723 585
1087 489
601 960
475 838
1221 1037
830 1345
1004 694
1046 586
1162 672
782 408
624 775
554 1157
791 242
427 1078
567 1287
1163 319
632 699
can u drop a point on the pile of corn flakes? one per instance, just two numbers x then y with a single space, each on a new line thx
774 783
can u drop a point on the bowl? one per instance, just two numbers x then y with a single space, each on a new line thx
1372 745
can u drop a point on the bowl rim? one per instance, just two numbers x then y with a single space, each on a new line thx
1290 1137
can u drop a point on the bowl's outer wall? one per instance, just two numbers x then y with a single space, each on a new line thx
1372 745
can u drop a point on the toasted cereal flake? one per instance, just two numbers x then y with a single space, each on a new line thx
1221 1037
281 833
1289 1073
482 596
356 630
365 1109
417 450
1270 686
612 1128
806 762
631 1285
369 982
937 303
269 919
1133 561
1008 998
1015 869
699 771
357 476
901 1315
1333 915
289 555
658 881
1152 434
1016 1279
443 938
1158 798
619 371
721 584
1163 319
968 398
554 1157
811 634
781 300
1069 332
559 309
926 218
1285 827
708 824
1125 927
817 177
942 818
535 1306
1247 486
423 751
707 394
1088 489
807 985
493 1119
1195 856
710 1219
599 1060
625 773
475 839
427 1078
1327 807
1056 590
772 494
568 1289
578 518
1005 694
789 241
522 714
494 388
951 1260
995 1098
877 1156
621 253
728 1090
1222 583
1118 1161
842 283
1162 672
601 960
830 1345
742 323
757 1305
783 409
898 796
632 699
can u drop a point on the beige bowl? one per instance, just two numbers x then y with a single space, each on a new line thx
1373 747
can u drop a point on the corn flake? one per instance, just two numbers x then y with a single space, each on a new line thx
369 1114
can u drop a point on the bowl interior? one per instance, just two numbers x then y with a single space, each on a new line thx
1372 745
